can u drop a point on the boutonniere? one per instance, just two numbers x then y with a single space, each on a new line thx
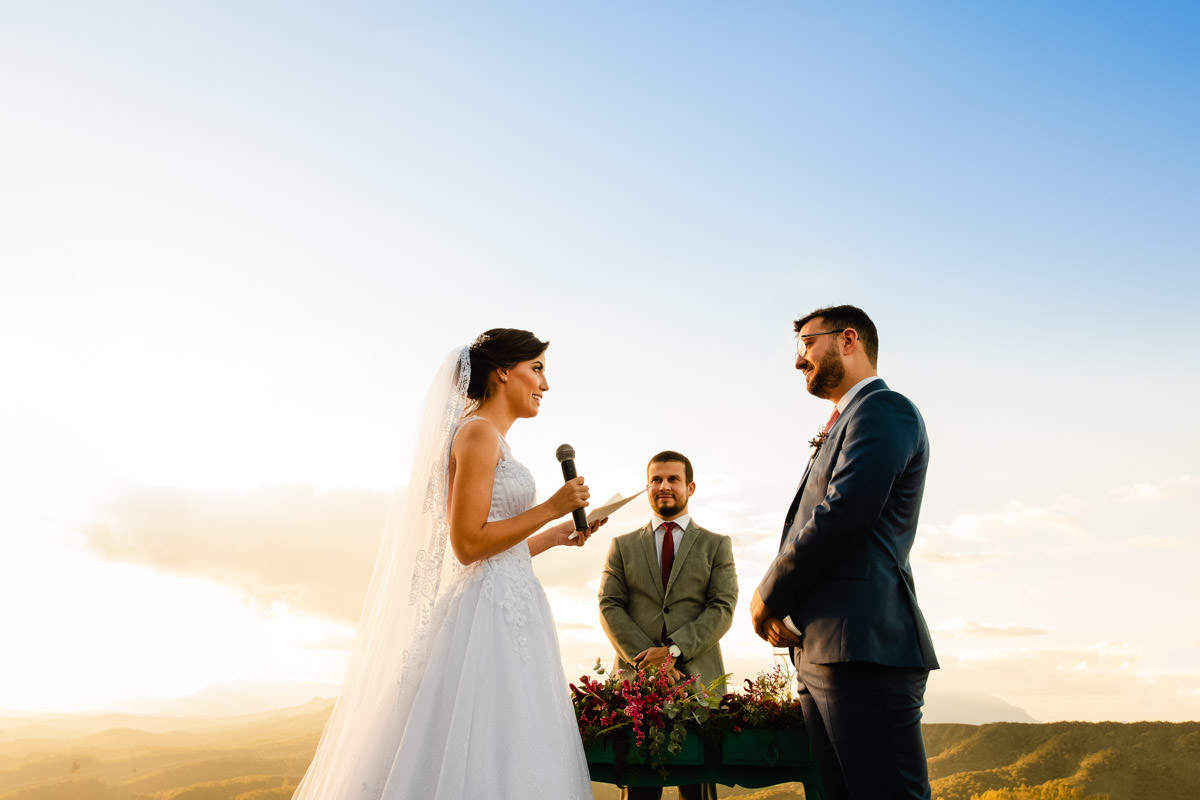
818 440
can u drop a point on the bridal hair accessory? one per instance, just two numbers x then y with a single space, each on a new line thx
412 572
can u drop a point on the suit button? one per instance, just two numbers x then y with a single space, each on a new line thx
667 610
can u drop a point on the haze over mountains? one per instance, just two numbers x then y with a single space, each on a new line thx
262 757
232 699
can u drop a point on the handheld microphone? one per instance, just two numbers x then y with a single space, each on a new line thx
566 456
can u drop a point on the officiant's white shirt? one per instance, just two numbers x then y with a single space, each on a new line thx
681 522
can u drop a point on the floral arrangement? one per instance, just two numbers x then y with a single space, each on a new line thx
644 702
657 714
766 702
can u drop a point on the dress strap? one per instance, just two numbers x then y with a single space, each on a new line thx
505 453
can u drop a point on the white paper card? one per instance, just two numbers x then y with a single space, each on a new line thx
608 508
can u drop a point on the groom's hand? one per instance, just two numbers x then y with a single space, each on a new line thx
770 627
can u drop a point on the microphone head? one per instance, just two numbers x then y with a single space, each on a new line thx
564 453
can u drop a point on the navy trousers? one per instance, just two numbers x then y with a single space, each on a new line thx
864 723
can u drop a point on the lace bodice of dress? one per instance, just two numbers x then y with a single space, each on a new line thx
513 493
507 578
513 488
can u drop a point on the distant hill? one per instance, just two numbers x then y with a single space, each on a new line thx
970 708
1128 761
263 756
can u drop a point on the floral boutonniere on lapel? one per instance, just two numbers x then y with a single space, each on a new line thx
818 440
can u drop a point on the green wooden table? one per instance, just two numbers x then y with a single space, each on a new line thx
749 758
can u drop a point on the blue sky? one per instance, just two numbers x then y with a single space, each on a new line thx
238 238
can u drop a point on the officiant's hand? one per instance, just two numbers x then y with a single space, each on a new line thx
652 657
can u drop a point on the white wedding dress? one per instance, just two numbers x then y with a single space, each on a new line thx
491 715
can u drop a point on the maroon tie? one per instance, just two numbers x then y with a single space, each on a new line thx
668 551
832 419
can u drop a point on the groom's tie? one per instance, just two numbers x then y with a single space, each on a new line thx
668 551
832 419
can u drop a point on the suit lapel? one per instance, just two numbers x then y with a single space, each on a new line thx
650 554
804 478
685 547
873 386
791 513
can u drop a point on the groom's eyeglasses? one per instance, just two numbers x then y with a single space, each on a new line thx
802 346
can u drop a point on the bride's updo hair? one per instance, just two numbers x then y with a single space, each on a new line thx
499 348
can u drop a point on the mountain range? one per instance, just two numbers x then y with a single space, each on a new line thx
262 757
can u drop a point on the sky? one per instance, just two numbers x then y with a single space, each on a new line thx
237 239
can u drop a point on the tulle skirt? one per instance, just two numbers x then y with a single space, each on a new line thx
492 717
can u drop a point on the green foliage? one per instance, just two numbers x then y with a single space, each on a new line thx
643 703
659 714
766 702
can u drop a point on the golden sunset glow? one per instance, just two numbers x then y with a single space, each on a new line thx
227 274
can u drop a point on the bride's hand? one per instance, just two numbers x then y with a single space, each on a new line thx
573 494
563 531
581 539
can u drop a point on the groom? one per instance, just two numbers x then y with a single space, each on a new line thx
668 592
840 592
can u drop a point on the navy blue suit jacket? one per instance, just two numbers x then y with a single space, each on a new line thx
842 571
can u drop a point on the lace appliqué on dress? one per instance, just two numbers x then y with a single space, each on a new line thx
508 578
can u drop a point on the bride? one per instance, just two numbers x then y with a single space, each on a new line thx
455 688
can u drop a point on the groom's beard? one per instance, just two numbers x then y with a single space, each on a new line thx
827 375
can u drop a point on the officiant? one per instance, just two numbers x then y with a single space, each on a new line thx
668 591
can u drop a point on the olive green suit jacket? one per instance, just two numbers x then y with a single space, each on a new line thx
696 607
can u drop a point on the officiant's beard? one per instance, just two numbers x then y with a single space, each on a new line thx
827 375
672 509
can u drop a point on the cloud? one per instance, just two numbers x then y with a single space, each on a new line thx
1102 682
971 541
1016 518
1149 543
929 553
311 550
1182 486
314 550
1062 527
961 629
721 487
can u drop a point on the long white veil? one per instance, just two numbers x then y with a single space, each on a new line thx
361 736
